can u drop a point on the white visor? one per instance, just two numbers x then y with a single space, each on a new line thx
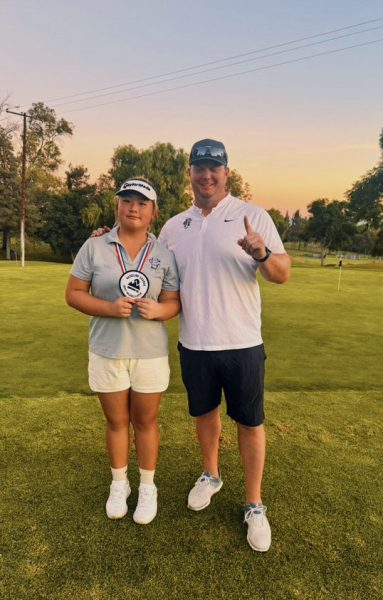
137 185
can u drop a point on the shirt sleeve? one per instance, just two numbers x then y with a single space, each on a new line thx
171 282
265 226
162 238
83 263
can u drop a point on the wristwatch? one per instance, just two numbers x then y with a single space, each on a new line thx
262 260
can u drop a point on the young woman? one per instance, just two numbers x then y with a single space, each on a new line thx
134 286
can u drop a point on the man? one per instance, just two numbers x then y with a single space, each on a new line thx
220 244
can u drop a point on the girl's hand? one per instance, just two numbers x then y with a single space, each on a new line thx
148 309
122 307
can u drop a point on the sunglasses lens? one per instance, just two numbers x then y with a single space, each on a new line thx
209 151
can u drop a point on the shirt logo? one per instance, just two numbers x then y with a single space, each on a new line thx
187 223
154 263
228 220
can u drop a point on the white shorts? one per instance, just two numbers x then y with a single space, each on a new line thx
146 375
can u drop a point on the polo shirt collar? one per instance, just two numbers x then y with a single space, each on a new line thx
221 204
112 236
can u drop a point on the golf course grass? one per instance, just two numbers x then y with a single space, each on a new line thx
322 482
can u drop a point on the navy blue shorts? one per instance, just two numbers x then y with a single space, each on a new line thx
239 373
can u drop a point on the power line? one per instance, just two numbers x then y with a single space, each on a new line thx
174 72
187 85
220 66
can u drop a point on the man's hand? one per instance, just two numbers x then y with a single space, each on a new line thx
252 243
100 231
122 307
148 308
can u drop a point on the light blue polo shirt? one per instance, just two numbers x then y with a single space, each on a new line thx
132 337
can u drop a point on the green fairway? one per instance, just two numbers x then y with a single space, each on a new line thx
322 482
316 337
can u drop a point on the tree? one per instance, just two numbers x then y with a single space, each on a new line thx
296 230
377 249
10 206
363 240
101 211
163 165
64 229
330 225
366 195
66 225
77 178
44 131
237 187
281 223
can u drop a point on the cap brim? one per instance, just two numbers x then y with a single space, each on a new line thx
207 159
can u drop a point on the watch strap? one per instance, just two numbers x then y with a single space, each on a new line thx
262 260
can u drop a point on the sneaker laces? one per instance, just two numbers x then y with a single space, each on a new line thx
117 492
144 496
255 513
204 480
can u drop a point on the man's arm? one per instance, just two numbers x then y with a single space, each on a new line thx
276 267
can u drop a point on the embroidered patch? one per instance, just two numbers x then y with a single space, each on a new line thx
154 263
187 223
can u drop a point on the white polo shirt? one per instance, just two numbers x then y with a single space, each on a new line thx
221 304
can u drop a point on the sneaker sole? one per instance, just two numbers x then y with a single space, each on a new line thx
257 549
218 487
145 522
116 517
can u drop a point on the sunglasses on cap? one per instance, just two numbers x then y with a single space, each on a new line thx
208 150
213 151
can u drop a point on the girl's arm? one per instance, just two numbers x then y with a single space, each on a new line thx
168 306
78 297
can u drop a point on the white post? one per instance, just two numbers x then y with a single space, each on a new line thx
340 274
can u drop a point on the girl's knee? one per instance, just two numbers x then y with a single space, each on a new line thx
144 422
117 424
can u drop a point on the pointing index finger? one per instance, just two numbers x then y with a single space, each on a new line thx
248 227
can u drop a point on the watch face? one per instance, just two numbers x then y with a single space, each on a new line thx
134 284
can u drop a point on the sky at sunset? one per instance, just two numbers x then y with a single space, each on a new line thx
296 126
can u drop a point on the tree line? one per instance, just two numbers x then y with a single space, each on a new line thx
63 210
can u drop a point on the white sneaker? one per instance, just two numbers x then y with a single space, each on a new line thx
116 506
258 532
146 508
204 488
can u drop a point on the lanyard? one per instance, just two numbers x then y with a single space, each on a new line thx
144 255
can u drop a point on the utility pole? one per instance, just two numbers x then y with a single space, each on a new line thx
23 183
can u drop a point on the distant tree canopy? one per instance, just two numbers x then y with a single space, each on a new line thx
44 130
237 186
9 189
366 195
295 233
281 223
164 166
65 227
63 210
330 224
